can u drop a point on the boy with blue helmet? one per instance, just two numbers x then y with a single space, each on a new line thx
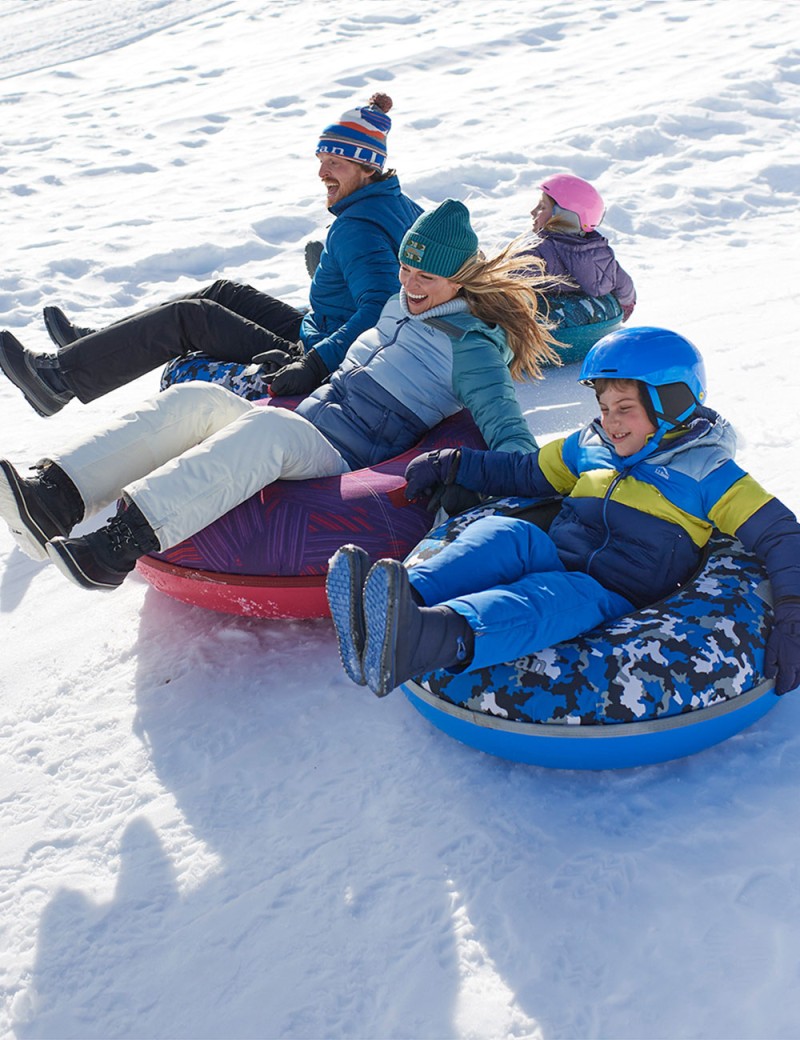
641 490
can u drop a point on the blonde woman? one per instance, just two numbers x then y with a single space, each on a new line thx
196 451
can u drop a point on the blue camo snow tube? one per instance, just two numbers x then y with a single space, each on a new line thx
247 381
580 321
662 682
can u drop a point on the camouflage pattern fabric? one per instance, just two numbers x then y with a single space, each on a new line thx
247 381
575 309
581 321
701 646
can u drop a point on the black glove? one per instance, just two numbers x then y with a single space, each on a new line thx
313 253
273 360
782 660
455 499
301 377
426 472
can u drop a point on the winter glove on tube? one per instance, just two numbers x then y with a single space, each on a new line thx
782 659
273 360
426 472
301 377
456 499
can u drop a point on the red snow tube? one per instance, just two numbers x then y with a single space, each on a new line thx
268 557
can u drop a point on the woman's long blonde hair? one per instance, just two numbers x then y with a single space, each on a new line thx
505 291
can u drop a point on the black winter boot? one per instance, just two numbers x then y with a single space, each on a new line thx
104 558
347 572
403 639
60 329
40 507
38 376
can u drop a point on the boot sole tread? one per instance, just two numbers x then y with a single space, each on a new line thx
339 588
380 614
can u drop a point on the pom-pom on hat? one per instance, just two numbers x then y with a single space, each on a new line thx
440 241
360 134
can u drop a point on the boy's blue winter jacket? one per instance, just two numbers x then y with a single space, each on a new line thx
639 529
410 372
357 271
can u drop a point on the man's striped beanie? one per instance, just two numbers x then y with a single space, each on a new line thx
360 135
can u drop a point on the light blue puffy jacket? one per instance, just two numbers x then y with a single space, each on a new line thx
410 372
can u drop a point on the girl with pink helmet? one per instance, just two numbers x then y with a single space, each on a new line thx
565 220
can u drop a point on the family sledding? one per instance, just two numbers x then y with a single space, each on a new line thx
410 322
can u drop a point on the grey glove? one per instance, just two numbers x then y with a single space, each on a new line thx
313 253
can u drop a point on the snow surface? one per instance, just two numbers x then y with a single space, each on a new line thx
206 830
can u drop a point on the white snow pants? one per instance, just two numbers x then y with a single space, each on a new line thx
190 454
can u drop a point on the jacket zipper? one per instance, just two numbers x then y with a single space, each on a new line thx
389 343
606 500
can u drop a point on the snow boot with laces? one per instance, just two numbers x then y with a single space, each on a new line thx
38 508
104 558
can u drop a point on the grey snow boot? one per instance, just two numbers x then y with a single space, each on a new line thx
38 508
347 572
403 639
38 376
60 329
104 558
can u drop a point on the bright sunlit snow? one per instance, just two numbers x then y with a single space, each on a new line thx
206 829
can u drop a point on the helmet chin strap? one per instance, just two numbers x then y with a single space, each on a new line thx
652 445
662 423
663 428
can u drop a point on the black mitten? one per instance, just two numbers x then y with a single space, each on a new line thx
273 360
782 659
456 499
301 377
426 473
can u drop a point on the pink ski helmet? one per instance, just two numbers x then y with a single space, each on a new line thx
576 195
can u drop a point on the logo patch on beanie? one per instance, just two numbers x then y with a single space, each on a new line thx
413 250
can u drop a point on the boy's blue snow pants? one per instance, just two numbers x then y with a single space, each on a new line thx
504 576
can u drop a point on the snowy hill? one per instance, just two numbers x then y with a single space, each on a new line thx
207 831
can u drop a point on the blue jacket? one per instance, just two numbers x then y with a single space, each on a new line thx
588 260
410 372
639 528
357 271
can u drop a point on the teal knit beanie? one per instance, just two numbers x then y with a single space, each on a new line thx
440 241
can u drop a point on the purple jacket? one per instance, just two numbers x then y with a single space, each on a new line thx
586 259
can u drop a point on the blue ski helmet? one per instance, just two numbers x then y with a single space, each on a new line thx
668 364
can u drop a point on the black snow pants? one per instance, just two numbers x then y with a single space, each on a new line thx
227 321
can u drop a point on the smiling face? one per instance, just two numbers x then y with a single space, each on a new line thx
624 417
424 290
542 212
341 177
